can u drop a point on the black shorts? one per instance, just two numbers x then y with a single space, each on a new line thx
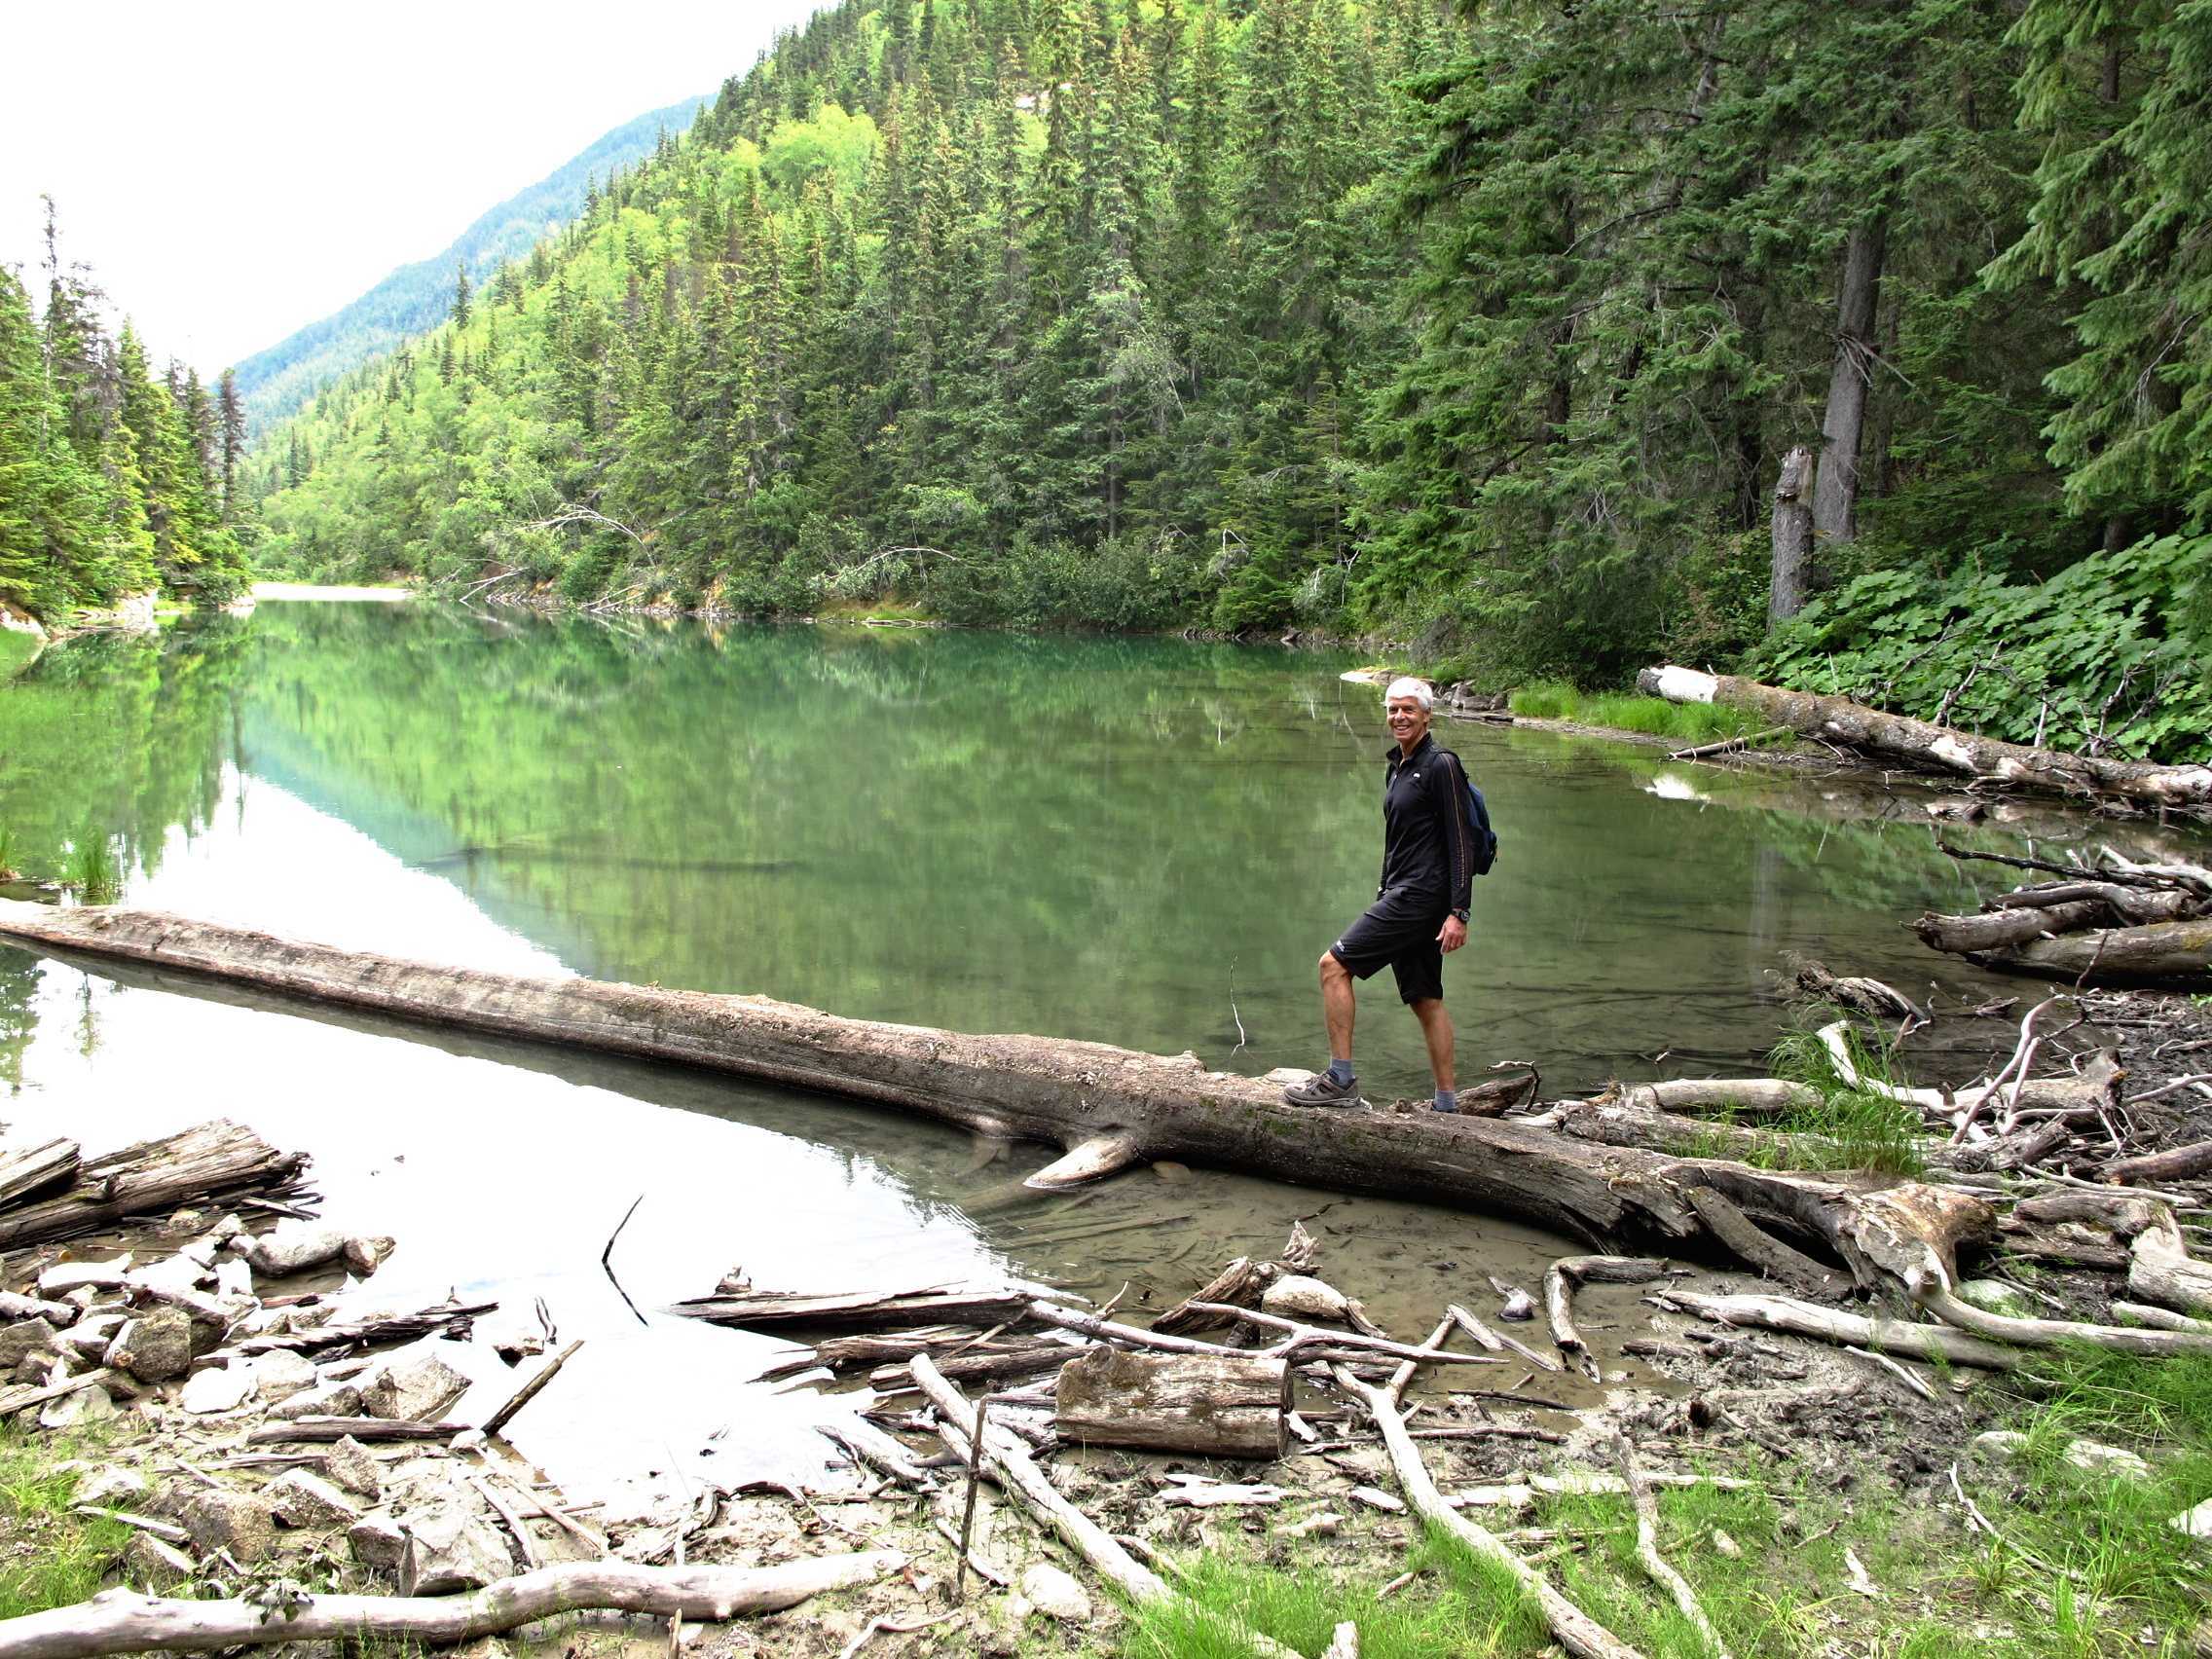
1399 928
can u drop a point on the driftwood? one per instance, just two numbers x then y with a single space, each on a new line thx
2161 1269
981 1366
2003 929
530 1390
1778 1261
2142 785
1567 1274
1063 1092
22 1398
1655 1565
27 1170
123 1621
1241 1284
1575 1630
2162 953
1744 1097
153 1177
1804 1319
359 1428
764 1310
2175 1163
366 1333
1201 1405
1010 1463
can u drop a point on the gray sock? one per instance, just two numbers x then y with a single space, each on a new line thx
1447 1100
1341 1072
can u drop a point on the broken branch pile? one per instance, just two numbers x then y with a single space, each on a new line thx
2110 922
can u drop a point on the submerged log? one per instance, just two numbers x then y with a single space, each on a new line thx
2162 954
1063 1092
208 1161
2140 784
1201 1405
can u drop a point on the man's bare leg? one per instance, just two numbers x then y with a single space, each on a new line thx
1436 1032
1338 1005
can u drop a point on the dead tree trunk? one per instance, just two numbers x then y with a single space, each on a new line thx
153 1177
1791 584
1202 1405
2143 785
1836 489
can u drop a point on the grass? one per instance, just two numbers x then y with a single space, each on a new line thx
48 1558
1627 710
1845 1128
91 869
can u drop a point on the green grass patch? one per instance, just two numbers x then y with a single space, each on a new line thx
92 870
49 1557
1627 711
1846 1127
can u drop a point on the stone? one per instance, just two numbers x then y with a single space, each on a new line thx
240 1524
153 1347
219 1389
2196 1522
112 1487
1993 1296
279 1373
2093 1457
178 1277
76 1410
378 1542
291 1247
89 1336
27 1339
2001 1442
413 1384
365 1255
303 1498
153 1565
65 1276
331 1399
451 1547
349 1465
233 1280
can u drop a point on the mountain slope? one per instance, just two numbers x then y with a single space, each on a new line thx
275 382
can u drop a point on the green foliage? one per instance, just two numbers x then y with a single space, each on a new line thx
1848 1127
49 1555
2107 657
1691 723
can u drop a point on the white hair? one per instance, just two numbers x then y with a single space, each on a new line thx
1405 685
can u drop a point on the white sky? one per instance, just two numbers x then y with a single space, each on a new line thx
235 170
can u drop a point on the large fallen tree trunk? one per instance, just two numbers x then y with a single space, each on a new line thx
123 1621
1067 1093
2139 784
153 1177
2164 954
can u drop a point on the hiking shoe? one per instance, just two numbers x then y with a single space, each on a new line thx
1323 1090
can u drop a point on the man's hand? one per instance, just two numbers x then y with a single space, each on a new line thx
1452 935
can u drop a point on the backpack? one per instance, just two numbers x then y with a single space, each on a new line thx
1478 814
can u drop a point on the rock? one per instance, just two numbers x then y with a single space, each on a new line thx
89 1336
450 1547
221 1389
1519 1306
349 1465
238 1523
302 1498
2196 1522
378 1542
65 1276
153 1565
179 1275
291 1247
332 1399
1723 1544
154 1346
279 1373
1994 1296
412 1384
113 1487
2000 1443
28 1339
365 1255
2093 1457
75 1410
233 1280
1295 1296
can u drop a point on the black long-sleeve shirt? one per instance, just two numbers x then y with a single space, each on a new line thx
1428 838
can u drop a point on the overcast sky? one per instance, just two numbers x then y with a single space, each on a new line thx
234 169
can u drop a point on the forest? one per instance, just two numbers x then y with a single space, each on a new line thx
115 481
1863 347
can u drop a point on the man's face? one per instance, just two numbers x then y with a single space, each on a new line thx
1407 719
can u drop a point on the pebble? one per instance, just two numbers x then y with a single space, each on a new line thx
2093 1457
1055 1594
223 1388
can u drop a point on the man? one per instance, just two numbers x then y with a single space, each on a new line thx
1420 913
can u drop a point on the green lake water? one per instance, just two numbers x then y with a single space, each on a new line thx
1138 841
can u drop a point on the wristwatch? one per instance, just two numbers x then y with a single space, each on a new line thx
1460 914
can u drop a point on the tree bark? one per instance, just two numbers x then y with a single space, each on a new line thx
2139 784
34 1168
1197 1404
1790 583
208 1161
1835 488
123 1621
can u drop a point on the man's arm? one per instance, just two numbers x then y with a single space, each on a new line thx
1458 834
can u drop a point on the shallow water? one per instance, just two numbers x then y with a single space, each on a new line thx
1137 842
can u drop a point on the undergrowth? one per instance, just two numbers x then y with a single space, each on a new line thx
49 1555
1846 1127
1627 710
92 871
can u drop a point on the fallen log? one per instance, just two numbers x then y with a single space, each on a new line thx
1570 1274
1241 1284
2142 785
1745 1096
764 1310
2175 1163
1830 1325
1063 1092
1791 1269
30 1170
123 1621
2002 930
2161 1269
208 1161
358 1427
1201 1405
366 1333
2162 954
